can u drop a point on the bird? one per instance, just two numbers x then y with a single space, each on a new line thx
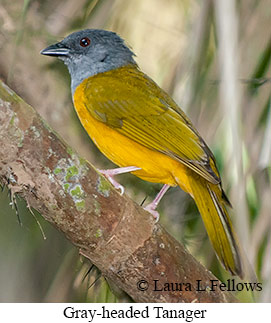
141 129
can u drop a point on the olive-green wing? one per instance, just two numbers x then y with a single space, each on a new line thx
129 101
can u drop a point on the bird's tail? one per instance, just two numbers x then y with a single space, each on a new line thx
211 200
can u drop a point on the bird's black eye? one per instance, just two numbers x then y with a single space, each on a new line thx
85 42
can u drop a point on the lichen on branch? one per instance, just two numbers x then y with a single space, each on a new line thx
116 234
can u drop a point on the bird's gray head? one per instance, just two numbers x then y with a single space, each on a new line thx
89 52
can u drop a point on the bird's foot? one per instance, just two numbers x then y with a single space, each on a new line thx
151 208
110 173
153 205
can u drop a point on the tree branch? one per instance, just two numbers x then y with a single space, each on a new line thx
117 235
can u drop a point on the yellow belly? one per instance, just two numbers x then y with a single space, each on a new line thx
155 166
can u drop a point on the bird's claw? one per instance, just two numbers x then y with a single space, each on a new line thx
111 179
110 173
119 187
155 214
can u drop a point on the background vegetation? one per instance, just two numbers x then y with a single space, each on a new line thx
213 57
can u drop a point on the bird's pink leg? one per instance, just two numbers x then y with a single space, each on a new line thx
110 173
153 205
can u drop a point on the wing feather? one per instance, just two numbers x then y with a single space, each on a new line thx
136 107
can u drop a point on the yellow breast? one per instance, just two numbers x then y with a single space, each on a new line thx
155 166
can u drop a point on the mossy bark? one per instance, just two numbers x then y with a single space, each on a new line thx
116 234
